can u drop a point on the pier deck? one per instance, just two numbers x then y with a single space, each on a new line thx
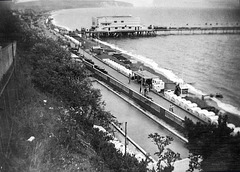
197 30
165 31
130 33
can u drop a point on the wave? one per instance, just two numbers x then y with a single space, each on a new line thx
173 77
227 107
56 24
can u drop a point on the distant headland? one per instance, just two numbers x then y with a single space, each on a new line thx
52 5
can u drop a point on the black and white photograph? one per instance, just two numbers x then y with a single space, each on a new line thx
119 85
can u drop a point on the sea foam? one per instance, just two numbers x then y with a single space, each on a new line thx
54 22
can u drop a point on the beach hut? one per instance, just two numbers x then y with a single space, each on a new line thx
190 106
214 119
118 67
76 42
178 100
97 49
232 126
207 116
195 111
173 98
210 113
236 131
203 115
182 103
186 103
167 94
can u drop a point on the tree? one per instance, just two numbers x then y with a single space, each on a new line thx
165 155
9 24
194 162
214 145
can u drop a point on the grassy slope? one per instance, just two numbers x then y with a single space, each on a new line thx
63 141
34 117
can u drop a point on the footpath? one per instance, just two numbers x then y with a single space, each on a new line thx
179 166
136 87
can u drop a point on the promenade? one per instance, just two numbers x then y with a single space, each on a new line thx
136 87
179 166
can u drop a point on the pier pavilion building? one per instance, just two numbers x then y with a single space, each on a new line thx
126 23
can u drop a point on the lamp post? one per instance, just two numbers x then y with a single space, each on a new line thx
125 153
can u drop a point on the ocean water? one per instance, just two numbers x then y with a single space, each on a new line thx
209 63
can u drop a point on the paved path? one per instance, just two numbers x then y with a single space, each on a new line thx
135 86
180 166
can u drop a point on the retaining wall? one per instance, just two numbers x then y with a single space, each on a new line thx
143 101
8 94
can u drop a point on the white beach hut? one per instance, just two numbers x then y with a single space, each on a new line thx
214 119
167 94
173 97
182 104
190 106
230 125
185 106
236 131
195 111
210 113
193 108
203 115
73 40
178 100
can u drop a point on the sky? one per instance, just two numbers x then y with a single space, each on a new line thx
185 3
180 3
139 2
135 2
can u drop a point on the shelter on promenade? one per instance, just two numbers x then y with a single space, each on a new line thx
144 76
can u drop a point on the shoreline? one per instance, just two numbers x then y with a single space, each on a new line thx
152 117
211 103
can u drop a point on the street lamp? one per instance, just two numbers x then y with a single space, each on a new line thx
125 153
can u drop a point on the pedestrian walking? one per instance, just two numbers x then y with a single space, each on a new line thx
129 78
145 91
171 108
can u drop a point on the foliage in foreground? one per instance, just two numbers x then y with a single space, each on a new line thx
166 157
67 135
214 144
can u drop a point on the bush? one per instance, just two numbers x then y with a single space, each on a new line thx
215 144
70 132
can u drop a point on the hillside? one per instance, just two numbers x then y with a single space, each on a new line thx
57 4
51 127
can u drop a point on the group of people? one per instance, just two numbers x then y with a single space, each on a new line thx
145 90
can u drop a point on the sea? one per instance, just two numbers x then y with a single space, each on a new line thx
209 63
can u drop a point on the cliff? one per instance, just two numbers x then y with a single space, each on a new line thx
58 4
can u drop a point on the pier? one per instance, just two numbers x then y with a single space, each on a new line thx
197 30
158 31
117 34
